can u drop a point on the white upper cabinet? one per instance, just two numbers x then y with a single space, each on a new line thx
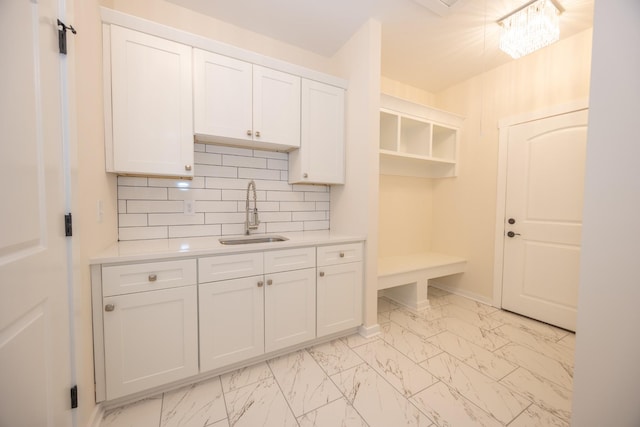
239 103
149 108
320 159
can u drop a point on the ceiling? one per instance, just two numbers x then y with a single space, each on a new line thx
419 47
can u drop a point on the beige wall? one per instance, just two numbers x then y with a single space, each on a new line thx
405 203
465 208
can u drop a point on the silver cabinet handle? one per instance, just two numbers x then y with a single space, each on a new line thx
153 277
305 175
260 284
257 134
249 133
269 282
341 254
187 167
109 307
322 274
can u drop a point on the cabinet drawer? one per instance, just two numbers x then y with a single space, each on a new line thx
127 279
223 267
339 254
289 259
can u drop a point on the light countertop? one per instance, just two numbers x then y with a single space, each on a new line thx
147 250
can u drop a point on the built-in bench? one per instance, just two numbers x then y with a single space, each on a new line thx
405 278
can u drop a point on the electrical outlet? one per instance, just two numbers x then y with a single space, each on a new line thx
189 207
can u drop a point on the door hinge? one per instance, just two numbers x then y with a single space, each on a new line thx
68 226
74 397
62 36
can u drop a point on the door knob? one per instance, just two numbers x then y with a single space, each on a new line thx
512 234
260 284
269 282
109 307
322 274
511 221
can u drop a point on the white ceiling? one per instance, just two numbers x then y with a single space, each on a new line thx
419 47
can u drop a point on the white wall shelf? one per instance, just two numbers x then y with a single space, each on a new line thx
416 140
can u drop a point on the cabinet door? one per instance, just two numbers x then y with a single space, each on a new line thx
320 158
152 109
339 297
289 308
231 321
222 96
276 107
150 339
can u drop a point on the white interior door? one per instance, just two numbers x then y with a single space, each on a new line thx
543 218
34 324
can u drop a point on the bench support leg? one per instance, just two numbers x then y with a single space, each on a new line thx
413 295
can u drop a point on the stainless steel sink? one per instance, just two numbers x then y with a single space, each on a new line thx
244 240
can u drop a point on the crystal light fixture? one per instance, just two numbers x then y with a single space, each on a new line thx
532 26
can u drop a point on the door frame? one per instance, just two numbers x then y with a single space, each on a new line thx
504 125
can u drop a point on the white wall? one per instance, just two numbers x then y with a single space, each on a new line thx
354 206
607 371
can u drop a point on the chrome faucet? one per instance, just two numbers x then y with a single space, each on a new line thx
251 222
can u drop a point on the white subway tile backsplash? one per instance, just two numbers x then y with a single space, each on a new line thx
142 233
244 162
285 196
197 182
297 206
153 208
141 193
133 181
194 230
258 173
281 227
216 171
316 225
208 158
271 154
175 219
277 164
132 220
275 216
224 217
194 194
217 206
262 206
322 206
315 197
310 216
222 149
242 195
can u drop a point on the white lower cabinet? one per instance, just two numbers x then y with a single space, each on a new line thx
339 288
163 321
231 321
289 308
150 339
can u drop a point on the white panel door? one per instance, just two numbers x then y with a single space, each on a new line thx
276 107
339 297
34 324
151 338
543 218
289 308
152 104
231 321
222 96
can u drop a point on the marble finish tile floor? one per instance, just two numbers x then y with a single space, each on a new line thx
459 363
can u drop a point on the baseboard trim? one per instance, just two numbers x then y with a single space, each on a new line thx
462 293
96 416
369 331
